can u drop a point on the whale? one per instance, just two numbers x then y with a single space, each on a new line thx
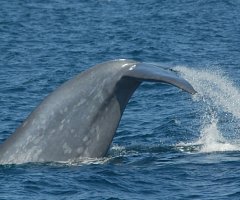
79 119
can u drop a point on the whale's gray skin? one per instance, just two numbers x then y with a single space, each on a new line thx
79 119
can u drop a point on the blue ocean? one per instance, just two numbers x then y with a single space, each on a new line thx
169 144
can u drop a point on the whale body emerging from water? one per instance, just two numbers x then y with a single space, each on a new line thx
79 119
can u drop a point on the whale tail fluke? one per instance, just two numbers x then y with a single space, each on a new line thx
153 73
82 115
140 72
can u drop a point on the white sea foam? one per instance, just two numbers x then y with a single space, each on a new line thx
214 86
84 161
212 139
216 93
115 150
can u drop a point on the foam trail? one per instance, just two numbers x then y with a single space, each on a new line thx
216 94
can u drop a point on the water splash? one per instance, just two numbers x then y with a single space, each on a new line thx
218 98
212 139
214 88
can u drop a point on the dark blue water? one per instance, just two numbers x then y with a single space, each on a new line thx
169 144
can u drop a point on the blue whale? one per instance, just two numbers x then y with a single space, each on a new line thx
79 119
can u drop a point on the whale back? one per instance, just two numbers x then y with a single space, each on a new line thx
80 118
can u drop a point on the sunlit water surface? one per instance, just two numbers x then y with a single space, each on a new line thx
169 145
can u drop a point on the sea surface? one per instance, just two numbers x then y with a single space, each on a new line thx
169 144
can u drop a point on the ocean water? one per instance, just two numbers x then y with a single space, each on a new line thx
169 144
